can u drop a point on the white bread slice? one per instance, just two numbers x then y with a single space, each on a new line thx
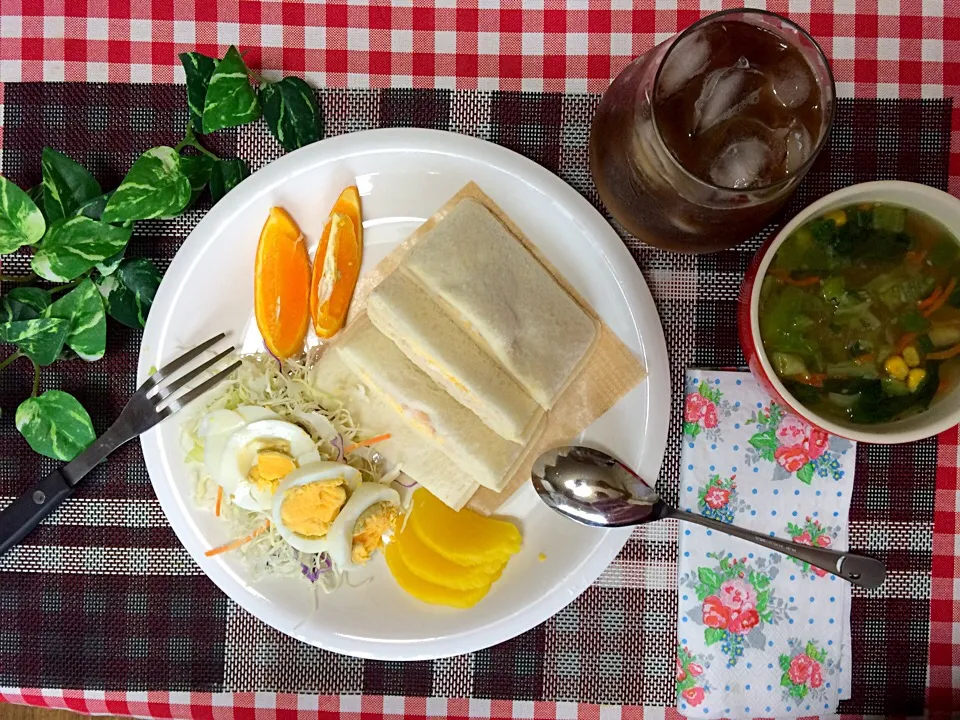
403 312
498 292
417 456
428 408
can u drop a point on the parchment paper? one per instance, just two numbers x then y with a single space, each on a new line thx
608 372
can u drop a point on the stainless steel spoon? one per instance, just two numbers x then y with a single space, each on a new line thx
593 488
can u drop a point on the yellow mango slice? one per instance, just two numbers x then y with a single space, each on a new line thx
426 591
464 537
433 567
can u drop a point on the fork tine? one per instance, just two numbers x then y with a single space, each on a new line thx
177 404
179 362
167 390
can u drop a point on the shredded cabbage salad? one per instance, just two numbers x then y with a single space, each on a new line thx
285 389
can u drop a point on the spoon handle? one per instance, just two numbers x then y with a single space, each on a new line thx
865 572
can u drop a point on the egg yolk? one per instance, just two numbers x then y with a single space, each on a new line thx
271 467
376 522
310 509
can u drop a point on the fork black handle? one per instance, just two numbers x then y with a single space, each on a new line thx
27 511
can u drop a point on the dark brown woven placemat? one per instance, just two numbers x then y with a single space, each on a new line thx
104 596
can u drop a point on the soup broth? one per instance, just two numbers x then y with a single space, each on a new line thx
860 313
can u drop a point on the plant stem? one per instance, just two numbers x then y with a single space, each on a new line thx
66 286
190 140
16 355
36 379
255 76
30 276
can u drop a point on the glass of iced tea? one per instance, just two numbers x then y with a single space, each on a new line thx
699 141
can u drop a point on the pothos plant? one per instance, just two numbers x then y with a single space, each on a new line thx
78 234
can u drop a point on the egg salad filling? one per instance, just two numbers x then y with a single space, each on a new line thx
301 491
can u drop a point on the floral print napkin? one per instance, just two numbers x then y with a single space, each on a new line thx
760 634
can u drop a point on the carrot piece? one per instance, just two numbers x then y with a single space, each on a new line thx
785 278
941 301
916 257
216 510
944 354
930 299
366 443
811 379
905 339
864 359
234 544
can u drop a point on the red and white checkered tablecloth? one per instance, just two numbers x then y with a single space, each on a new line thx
890 48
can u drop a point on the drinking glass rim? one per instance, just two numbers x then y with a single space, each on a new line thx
825 128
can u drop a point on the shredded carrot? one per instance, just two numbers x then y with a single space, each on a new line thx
812 379
863 359
940 301
784 277
930 299
944 354
216 510
905 339
234 544
366 443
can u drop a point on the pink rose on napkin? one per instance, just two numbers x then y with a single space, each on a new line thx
695 669
792 431
791 458
700 408
743 621
803 539
717 497
715 613
738 594
816 443
801 668
681 675
816 677
694 695
823 541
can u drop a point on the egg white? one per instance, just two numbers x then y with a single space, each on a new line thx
339 541
323 471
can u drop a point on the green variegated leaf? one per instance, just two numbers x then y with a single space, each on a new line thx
226 175
40 339
230 100
110 265
198 69
24 303
198 169
93 208
36 194
66 185
21 222
75 245
154 187
129 292
56 425
291 111
82 308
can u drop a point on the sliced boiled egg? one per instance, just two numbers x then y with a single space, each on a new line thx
308 502
369 517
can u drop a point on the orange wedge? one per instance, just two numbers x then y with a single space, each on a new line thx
281 285
336 266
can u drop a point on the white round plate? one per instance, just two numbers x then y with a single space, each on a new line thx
404 176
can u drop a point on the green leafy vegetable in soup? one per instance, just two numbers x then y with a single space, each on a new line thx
860 312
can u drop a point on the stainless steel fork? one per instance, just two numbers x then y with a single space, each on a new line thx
152 402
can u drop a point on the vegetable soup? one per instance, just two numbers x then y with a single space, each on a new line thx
860 313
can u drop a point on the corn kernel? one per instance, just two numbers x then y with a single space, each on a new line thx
916 377
839 217
896 367
911 356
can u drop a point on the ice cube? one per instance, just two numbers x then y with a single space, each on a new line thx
686 60
791 82
799 145
741 164
725 93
